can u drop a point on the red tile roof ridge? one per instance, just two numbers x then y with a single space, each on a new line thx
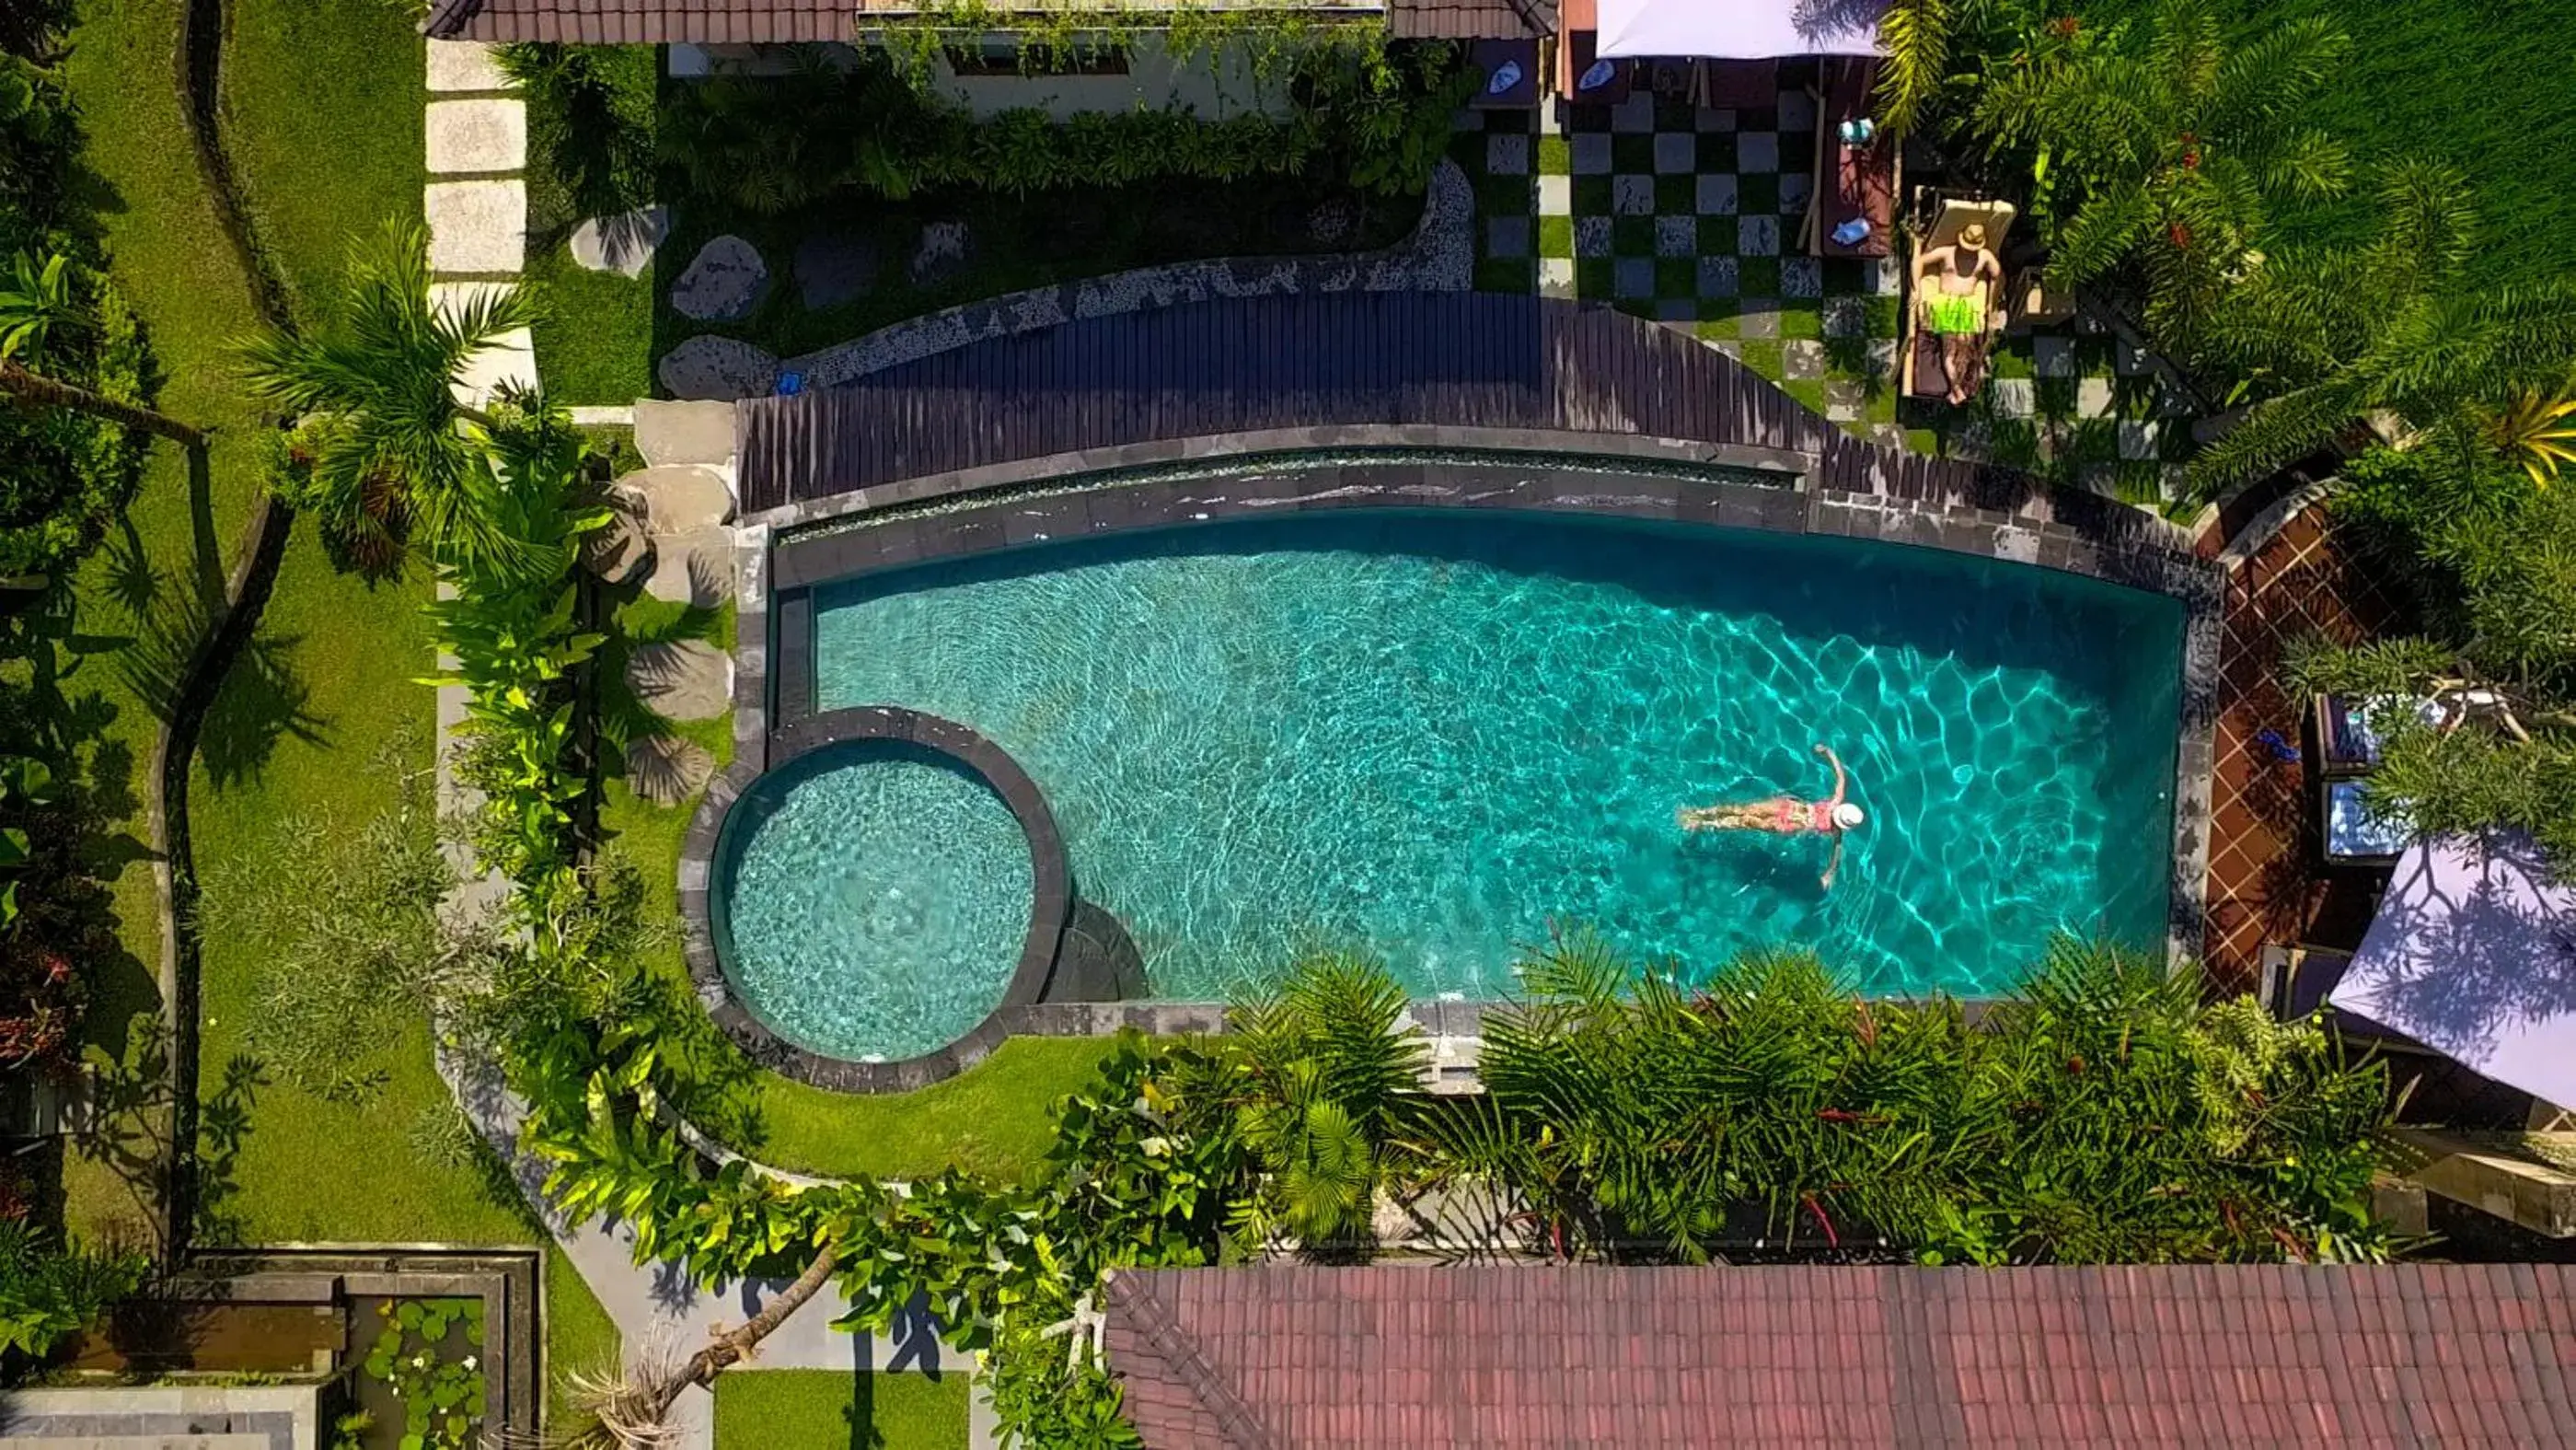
1152 1320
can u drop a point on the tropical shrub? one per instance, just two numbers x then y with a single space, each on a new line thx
2157 145
48 1291
775 144
2323 335
383 444
2099 1115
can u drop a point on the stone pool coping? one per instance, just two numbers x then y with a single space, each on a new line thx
1050 907
786 550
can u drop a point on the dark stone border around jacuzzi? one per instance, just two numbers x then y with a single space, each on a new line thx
1049 909
784 551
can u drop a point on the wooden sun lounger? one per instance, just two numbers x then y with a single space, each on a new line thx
1924 374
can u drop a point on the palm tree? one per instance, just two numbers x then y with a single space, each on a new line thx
2394 324
2164 141
35 302
382 383
630 1409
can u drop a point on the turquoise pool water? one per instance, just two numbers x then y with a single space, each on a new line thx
872 902
1431 735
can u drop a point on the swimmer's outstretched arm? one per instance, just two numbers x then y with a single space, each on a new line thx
1833 863
1840 779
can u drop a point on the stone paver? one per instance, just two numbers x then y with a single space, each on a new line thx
476 226
720 368
475 135
511 364
724 282
668 433
680 498
465 65
624 243
682 679
944 248
694 568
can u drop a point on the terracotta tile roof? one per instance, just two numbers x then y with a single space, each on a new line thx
1498 1358
769 22
1471 19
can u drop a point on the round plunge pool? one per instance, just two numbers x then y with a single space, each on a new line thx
873 899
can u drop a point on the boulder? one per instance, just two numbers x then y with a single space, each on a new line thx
831 270
723 283
680 499
623 243
694 568
944 248
722 368
667 433
681 679
668 769
622 546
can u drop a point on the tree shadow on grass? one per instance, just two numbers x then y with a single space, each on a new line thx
262 697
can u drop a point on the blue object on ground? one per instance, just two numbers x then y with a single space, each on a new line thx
2282 750
790 384
1852 233
1506 76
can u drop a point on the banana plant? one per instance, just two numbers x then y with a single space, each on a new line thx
23 778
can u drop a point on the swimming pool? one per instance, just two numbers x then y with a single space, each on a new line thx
875 898
1431 735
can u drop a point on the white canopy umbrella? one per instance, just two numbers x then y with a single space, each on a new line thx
1738 29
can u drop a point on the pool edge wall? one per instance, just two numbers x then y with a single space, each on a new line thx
1050 907
786 551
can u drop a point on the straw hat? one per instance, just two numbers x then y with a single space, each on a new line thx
1973 236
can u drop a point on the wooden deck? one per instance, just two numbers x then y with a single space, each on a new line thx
1477 360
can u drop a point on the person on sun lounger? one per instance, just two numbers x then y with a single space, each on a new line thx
1952 285
1787 815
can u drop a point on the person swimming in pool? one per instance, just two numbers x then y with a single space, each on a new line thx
1788 815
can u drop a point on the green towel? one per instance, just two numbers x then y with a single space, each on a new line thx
1956 316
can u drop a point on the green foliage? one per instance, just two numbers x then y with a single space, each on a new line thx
2494 558
387 444
442 1389
65 474
1320 1072
591 115
775 144
47 1291
2397 322
2161 143
355 946
2093 1118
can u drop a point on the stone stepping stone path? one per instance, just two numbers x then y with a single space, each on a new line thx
696 568
721 368
668 769
681 679
680 498
624 243
475 145
673 433
725 282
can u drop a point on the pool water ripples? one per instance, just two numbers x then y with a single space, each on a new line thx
1432 735
874 903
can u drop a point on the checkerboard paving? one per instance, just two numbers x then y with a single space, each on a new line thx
1690 217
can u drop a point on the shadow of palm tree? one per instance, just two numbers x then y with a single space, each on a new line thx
261 699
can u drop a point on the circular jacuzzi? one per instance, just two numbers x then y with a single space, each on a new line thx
882 893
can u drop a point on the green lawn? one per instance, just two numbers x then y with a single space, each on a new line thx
827 1410
322 113
143 597
579 1337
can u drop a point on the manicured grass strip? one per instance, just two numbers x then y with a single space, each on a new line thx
142 598
322 115
830 1410
579 1335
996 1118
595 339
